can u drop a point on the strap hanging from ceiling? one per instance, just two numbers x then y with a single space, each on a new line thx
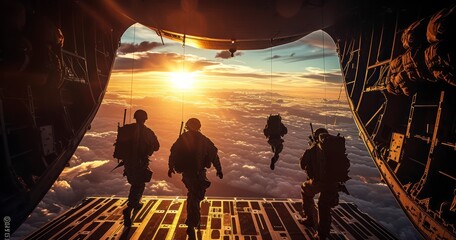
325 100
272 112
324 75
132 72
270 74
274 129
183 92
183 71
338 102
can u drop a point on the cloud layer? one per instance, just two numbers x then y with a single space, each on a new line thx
234 121
144 46
227 54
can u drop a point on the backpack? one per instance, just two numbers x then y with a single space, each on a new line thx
192 152
123 143
274 125
306 162
337 164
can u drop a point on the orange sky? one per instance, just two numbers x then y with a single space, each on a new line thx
297 68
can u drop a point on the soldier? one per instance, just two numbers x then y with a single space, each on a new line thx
326 165
190 155
141 143
274 131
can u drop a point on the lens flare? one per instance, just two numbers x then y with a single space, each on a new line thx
182 80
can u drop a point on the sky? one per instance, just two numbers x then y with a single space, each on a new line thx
232 96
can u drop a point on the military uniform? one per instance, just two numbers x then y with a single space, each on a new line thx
313 161
137 166
191 155
136 143
276 141
196 184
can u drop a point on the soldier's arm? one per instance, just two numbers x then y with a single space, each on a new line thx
266 131
284 129
155 143
171 161
302 162
305 159
218 166
171 156
215 160
216 163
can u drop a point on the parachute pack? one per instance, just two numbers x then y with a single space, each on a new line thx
122 146
337 163
192 152
429 54
274 125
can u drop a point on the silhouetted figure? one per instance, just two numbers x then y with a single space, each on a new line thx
47 74
190 155
139 143
15 48
274 131
327 166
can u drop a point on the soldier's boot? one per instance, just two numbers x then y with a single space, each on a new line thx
310 213
191 232
319 236
324 223
127 216
308 222
274 159
139 206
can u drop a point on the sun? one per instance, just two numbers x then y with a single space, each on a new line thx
182 80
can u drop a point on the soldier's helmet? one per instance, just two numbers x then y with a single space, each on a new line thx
320 131
193 124
140 115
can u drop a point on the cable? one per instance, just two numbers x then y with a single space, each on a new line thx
338 102
183 71
324 77
270 76
132 72
183 92
324 66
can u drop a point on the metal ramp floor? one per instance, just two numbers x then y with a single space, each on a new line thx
221 218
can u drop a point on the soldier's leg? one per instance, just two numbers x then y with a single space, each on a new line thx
127 216
192 214
193 201
279 149
308 191
134 197
192 210
136 191
202 183
329 198
271 143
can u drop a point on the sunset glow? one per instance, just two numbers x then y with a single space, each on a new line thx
182 80
232 97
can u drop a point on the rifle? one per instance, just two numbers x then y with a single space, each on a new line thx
343 188
182 125
120 162
124 116
312 136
